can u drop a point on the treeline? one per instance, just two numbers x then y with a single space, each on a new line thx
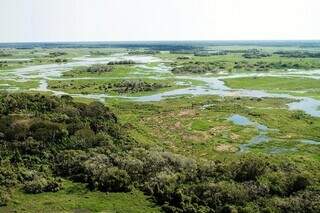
255 53
298 54
108 67
195 69
210 53
4 64
5 54
46 138
99 68
198 67
56 54
123 62
97 52
132 86
243 65
143 52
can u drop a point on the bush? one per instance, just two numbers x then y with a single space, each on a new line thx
299 182
217 195
8 176
41 184
4 196
47 131
99 68
249 168
121 62
111 180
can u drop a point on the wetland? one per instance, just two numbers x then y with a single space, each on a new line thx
169 125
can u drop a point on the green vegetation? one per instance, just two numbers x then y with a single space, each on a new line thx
293 85
195 69
134 86
106 70
179 154
99 68
143 52
298 54
85 143
254 53
244 60
199 126
4 54
56 54
18 85
75 197
123 62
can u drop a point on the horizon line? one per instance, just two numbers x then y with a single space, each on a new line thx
136 41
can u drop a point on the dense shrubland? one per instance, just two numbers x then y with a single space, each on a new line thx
123 62
111 87
3 64
143 52
45 138
56 54
5 54
240 65
209 53
98 53
180 184
103 68
132 86
196 69
298 54
255 53
99 68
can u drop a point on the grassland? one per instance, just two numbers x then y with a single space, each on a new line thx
18 85
184 126
293 85
75 197
235 62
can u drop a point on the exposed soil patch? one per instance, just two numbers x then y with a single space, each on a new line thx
226 148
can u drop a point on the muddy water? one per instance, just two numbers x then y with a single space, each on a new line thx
211 85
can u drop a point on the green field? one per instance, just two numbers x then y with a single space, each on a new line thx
77 198
292 85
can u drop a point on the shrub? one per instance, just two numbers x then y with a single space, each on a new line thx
299 182
8 176
111 180
41 184
249 168
99 68
4 196
47 131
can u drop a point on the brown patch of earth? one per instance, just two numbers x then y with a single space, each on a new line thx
218 130
234 136
187 112
196 137
226 148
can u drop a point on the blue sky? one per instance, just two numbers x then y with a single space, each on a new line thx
125 20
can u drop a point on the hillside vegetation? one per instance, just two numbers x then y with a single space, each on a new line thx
45 140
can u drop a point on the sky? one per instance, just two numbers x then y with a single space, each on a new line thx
141 20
